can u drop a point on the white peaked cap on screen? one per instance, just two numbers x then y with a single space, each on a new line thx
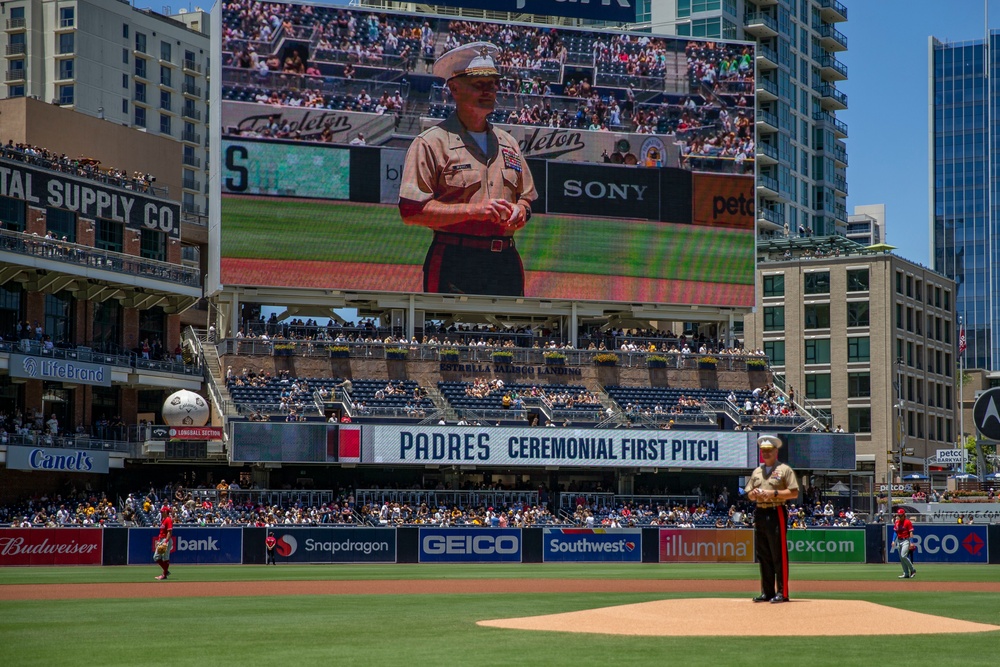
475 59
769 441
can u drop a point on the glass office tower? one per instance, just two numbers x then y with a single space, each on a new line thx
963 198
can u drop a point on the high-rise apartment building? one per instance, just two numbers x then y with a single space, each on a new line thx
801 155
963 235
106 59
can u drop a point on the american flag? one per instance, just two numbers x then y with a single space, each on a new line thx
961 341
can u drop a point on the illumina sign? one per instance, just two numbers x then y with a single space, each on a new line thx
422 445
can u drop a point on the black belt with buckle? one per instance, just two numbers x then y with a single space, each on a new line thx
491 243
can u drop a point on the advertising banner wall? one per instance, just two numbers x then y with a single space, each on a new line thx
50 546
470 545
60 370
619 191
706 545
587 545
388 444
837 545
250 119
614 11
190 546
57 458
936 543
335 545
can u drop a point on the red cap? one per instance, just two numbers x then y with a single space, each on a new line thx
900 511
165 509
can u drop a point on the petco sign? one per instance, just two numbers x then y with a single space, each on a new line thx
55 459
60 370
951 456
476 545
945 544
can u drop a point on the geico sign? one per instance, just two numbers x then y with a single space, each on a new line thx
598 190
820 546
470 544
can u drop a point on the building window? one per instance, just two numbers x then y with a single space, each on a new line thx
140 117
165 100
140 68
15 91
859 385
774 285
124 56
165 51
140 42
12 301
775 351
817 282
818 351
859 420
67 17
59 316
164 124
858 349
66 94
140 92
16 69
899 283
774 318
104 404
816 316
125 81
109 235
152 326
66 42
857 314
857 280
61 223
107 325
153 245
12 213
818 386
165 76
124 30
125 107
66 68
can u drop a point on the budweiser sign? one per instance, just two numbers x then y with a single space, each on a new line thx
51 546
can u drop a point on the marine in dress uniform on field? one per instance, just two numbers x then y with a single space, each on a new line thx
770 486
467 181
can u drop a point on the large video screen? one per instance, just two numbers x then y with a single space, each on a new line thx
345 163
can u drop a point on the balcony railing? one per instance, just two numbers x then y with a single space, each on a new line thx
192 66
191 161
828 118
14 24
191 137
15 49
772 216
74 254
828 32
191 184
15 74
830 62
191 89
74 168
192 113
767 182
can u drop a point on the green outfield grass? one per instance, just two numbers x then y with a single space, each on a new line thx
262 228
440 629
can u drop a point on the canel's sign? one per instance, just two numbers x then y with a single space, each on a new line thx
56 459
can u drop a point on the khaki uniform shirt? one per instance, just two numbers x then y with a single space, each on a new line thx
445 163
782 477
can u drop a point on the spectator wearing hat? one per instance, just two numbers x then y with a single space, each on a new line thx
467 181
161 552
903 543
771 484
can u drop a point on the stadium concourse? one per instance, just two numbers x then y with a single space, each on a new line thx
336 59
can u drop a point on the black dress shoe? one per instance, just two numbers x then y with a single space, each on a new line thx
762 598
778 598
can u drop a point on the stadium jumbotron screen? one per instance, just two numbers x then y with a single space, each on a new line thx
641 149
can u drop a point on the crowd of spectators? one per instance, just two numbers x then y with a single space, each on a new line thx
765 406
81 166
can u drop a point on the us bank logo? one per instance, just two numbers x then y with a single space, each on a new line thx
30 367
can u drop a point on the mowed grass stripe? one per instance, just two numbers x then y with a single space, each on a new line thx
335 231
436 630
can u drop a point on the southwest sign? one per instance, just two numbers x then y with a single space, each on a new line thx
56 459
59 370
589 545
844 545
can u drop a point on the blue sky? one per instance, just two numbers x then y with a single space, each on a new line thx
887 97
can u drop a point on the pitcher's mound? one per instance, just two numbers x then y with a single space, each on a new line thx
716 617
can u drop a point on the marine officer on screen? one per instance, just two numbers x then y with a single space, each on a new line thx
467 181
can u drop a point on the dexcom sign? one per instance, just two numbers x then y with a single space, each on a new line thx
476 545
335 545
944 544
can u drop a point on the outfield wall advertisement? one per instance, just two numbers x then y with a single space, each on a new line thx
840 545
706 545
440 445
646 199
592 545
51 546
189 546
937 543
335 545
470 545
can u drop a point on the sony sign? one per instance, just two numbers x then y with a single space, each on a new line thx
603 190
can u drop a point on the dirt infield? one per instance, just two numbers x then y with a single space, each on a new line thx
176 587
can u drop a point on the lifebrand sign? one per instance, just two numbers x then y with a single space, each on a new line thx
57 459
60 370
